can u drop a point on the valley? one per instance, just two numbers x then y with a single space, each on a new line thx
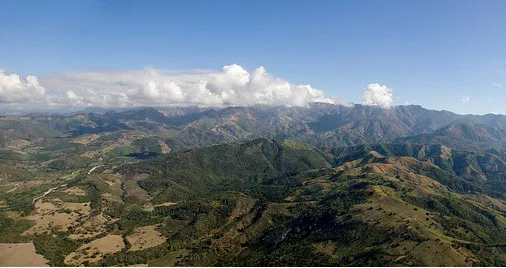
326 185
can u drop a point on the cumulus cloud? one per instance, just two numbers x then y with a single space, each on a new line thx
465 99
378 95
232 86
17 90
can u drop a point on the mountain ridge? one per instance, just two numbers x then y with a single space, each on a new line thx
326 185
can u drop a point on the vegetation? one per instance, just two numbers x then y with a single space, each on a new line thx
257 186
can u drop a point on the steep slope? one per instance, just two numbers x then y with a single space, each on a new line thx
17 131
485 171
465 135
267 202
382 213
229 166
374 210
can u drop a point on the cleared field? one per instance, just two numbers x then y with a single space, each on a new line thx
114 192
95 250
22 254
165 204
75 191
56 214
145 237
92 227
86 139
151 207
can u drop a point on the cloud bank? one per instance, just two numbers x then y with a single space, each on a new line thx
17 90
232 86
378 95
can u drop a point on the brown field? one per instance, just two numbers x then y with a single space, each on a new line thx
91 227
166 204
165 148
75 191
151 207
145 237
115 192
95 250
17 144
86 139
22 254
56 214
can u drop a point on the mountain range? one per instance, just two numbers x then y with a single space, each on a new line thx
324 185
323 125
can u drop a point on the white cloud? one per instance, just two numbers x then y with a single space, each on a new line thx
17 90
378 95
498 85
233 86
465 99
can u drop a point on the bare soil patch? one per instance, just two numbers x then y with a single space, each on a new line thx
145 237
75 191
151 207
17 144
56 214
165 148
95 250
86 139
91 227
166 204
22 254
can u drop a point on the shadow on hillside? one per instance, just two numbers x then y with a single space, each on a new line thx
143 156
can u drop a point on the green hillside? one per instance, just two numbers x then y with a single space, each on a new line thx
325 185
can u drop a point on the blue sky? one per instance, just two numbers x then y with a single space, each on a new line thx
434 53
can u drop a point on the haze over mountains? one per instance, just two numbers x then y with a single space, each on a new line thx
323 125
260 185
